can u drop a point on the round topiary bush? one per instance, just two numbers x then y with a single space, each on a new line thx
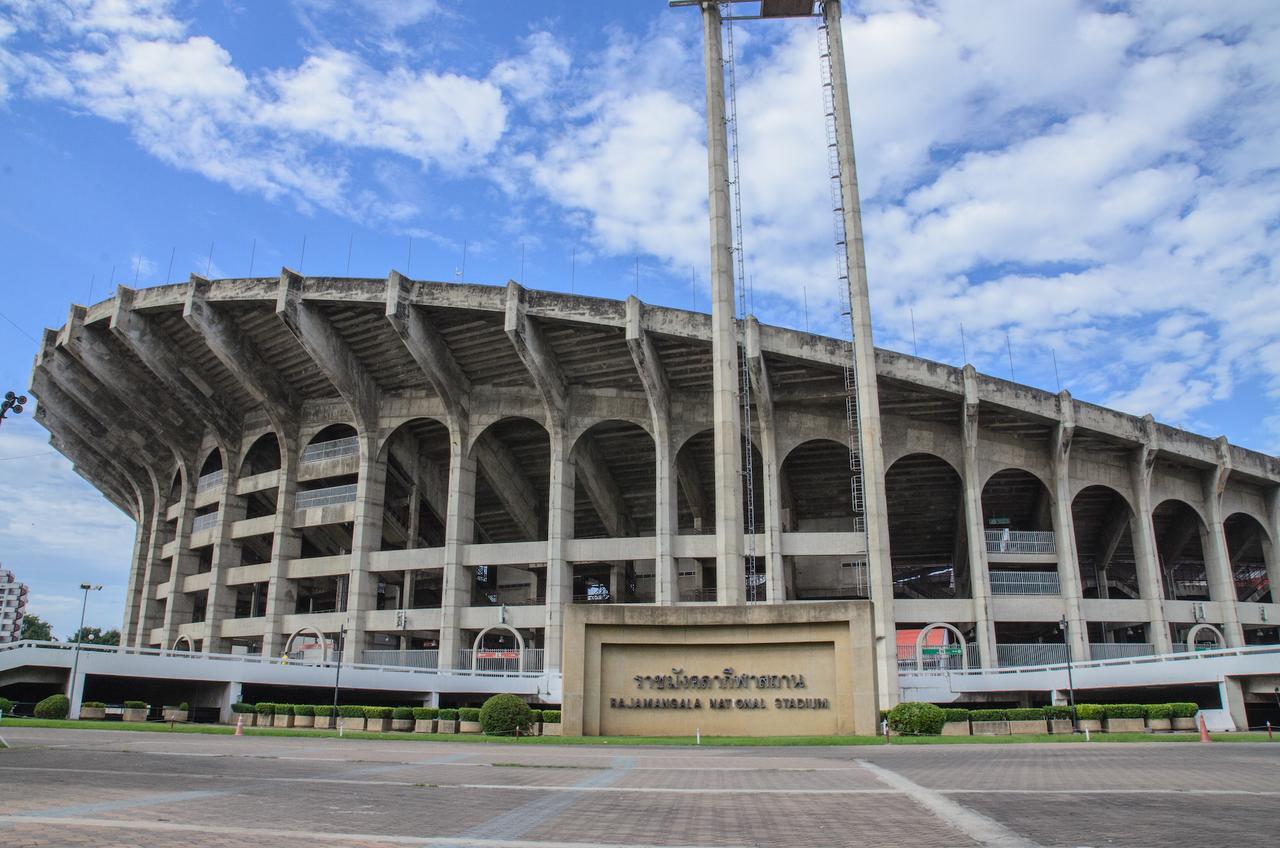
503 715
914 719
1184 709
6 706
54 706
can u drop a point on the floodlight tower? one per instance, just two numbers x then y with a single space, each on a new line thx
866 456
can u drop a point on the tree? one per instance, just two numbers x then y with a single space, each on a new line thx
35 627
96 636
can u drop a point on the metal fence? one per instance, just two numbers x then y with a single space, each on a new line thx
317 451
1120 650
1021 542
1024 583
326 497
210 480
938 658
1013 655
406 659
533 660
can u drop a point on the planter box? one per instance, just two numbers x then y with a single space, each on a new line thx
304 721
1060 725
135 714
345 723
990 728
424 725
468 727
404 725
535 729
550 729
1093 725
1126 725
282 721
443 726
175 715
956 728
1160 725
1028 728
377 725
93 713
1184 724
322 722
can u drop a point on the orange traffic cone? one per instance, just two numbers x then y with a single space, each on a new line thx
239 724
1204 731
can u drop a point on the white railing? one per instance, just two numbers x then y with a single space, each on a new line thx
204 522
210 480
1024 582
1021 542
1118 650
1014 655
533 660
317 451
404 659
326 497
938 658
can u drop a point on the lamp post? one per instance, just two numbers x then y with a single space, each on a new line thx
1071 686
13 402
75 659
337 672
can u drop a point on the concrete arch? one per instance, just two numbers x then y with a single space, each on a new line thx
616 469
306 628
1195 631
258 451
1198 510
814 481
997 469
328 432
678 444
415 457
1181 534
212 462
386 435
928 532
930 454
475 646
580 426
477 432
1260 521
941 625
1102 522
184 638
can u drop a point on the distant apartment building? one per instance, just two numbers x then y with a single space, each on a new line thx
13 603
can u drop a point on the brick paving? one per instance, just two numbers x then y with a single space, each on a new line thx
71 788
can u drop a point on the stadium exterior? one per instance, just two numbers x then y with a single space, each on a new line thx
435 474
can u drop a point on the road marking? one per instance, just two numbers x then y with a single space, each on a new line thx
984 830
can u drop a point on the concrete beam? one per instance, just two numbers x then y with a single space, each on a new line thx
602 489
509 483
537 355
691 484
329 351
776 492
427 347
648 364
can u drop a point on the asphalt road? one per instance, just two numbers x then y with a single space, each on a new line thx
113 788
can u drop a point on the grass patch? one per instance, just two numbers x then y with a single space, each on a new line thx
674 741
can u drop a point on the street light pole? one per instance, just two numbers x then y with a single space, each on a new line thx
1071 686
337 672
12 402
75 660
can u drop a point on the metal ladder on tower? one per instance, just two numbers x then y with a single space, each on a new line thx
739 272
852 418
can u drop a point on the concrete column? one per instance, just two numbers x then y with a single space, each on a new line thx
560 497
665 590
771 557
1231 692
1271 543
1145 553
458 533
1217 559
979 581
724 336
231 694
220 605
178 610
136 592
286 545
362 588
1064 533
148 607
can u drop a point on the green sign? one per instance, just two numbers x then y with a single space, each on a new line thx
944 651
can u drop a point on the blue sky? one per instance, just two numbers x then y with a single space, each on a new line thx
1098 181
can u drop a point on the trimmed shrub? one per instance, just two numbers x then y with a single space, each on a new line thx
241 707
550 716
1184 709
54 706
184 706
6 706
93 705
1058 711
284 709
1159 710
1124 711
448 715
402 712
988 715
304 710
1025 714
136 705
323 710
350 712
915 719
377 712
425 713
1090 712
503 715
266 709
950 714
469 714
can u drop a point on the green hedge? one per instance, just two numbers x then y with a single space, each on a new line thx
1026 714
1184 709
241 707
988 715
448 715
351 712
6 706
1158 711
54 706
265 709
284 709
402 713
93 705
915 719
504 715
1090 712
425 713
136 705
304 710
377 712
550 716
1124 711
536 715
953 714
469 714
1057 711
323 710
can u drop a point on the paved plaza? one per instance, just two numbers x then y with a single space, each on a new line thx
112 788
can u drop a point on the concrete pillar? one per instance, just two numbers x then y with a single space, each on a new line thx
286 545
1271 543
149 608
724 336
136 592
458 532
1065 536
979 581
231 694
1145 553
226 554
560 497
362 588
1217 560
178 610
771 557
1231 692
665 590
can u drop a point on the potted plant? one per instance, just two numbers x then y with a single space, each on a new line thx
550 722
535 726
447 721
1059 717
350 718
377 719
469 720
1026 721
1089 717
266 714
178 713
1159 717
955 721
1184 715
304 715
424 719
136 710
283 716
1125 718
93 710
989 722
240 708
324 716
402 719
